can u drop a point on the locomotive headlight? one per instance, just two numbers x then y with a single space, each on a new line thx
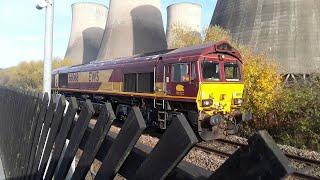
237 101
207 102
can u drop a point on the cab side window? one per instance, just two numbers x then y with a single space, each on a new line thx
180 72
193 71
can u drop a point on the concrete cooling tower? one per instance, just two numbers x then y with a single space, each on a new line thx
286 30
88 23
183 15
133 27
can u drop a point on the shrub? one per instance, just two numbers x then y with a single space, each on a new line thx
262 86
298 116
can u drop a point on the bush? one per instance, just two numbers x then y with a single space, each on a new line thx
262 86
298 116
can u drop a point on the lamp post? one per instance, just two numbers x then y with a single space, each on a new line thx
49 5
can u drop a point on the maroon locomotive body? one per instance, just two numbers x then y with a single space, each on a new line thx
203 82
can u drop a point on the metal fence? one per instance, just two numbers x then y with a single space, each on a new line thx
34 129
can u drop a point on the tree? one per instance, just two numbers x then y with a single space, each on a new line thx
182 37
29 75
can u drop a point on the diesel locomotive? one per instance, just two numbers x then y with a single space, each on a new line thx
203 82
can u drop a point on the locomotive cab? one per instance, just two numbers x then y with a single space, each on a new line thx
219 97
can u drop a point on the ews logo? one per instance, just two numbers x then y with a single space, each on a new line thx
94 76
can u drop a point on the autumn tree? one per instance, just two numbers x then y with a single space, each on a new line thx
29 75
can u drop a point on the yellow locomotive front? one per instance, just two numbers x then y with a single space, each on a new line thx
220 95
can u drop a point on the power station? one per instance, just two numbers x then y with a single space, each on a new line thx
133 27
88 23
183 15
286 30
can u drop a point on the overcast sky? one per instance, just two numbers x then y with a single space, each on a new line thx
22 27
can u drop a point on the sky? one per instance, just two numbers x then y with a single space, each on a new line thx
22 27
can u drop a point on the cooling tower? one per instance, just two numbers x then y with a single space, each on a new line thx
133 27
286 30
183 15
88 23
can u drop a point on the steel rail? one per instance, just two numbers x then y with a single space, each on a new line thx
290 156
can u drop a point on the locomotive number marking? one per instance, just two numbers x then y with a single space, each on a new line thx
73 77
94 76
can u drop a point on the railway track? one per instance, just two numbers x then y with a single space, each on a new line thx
298 173
301 174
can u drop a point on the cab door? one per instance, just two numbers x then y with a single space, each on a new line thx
182 79
160 77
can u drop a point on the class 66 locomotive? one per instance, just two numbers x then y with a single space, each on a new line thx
205 83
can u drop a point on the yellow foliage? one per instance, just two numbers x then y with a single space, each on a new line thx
216 33
28 75
183 37
57 63
262 84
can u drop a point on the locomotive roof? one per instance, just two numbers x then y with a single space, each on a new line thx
202 49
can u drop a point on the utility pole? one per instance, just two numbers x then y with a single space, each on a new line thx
49 5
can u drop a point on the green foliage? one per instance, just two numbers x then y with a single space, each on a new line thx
295 117
28 75
298 110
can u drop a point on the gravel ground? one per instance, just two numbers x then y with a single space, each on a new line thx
313 170
210 161
285 148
